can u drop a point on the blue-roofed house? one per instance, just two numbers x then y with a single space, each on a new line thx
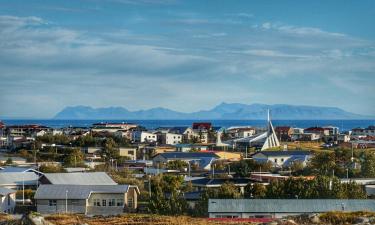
202 159
282 158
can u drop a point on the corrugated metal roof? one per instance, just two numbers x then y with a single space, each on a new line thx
6 191
289 205
91 178
51 191
18 178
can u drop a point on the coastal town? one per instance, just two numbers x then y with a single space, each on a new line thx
256 174
187 112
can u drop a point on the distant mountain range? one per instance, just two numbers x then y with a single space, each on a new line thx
229 111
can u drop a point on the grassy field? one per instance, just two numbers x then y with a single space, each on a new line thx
132 219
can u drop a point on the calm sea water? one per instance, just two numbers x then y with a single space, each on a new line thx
152 124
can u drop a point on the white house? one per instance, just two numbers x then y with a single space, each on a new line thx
170 138
282 158
144 136
7 200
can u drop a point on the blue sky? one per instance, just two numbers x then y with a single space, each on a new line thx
185 55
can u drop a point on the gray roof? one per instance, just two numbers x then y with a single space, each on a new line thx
18 178
89 178
51 191
6 191
283 153
289 205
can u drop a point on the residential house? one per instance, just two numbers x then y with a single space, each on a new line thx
170 138
201 159
26 130
240 132
204 183
284 133
128 152
369 131
190 147
89 178
87 199
282 158
186 132
7 200
144 136
279 208
91 150
3 136
317 130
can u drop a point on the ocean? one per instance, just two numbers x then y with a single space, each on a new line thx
343 125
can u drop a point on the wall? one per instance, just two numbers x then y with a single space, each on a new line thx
105 210
74 206
4 206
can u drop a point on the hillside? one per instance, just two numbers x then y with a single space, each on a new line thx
228 111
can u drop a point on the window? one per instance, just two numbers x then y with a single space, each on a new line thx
74 202
52 202
96 202
111 202
130 202
120 202
8 199
275 160
282 159
104 202
130 152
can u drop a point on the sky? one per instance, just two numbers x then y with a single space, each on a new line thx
185 55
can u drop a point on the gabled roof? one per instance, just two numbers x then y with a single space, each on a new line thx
188 155
6 191
283 153
8 169
89 178
178 130
49 191
289 205
18 178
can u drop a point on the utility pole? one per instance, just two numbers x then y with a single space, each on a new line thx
23 188
66 201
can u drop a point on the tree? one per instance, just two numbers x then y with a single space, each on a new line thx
110 150
368 165
166 195
228 190
244 167
50 168
255 190
323 163
177 165
74 158
9 161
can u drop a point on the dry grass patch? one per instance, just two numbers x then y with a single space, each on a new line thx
132 219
